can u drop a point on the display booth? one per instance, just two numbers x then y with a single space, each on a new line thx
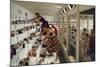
67 39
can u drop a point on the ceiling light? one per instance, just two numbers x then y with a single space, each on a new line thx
69 7
62 12
65 9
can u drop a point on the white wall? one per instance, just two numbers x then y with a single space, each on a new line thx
83 24
18 12
50 19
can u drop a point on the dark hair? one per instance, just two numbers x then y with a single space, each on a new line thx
26 63
84 29
37 13
21 62
25 39
87 34
33 47
12 46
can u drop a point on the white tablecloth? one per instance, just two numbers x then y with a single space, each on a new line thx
35 60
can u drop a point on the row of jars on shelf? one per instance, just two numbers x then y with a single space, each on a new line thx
29 21
22 30
21 22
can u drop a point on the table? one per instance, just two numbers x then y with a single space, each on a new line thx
34 60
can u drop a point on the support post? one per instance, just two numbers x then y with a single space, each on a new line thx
67 29
87 24
77 33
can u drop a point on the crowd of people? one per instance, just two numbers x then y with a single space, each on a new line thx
87 45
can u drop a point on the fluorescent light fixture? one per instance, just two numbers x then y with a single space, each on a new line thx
69 7
65 9
62 12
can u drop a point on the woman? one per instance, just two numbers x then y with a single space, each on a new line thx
84 42
41 19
